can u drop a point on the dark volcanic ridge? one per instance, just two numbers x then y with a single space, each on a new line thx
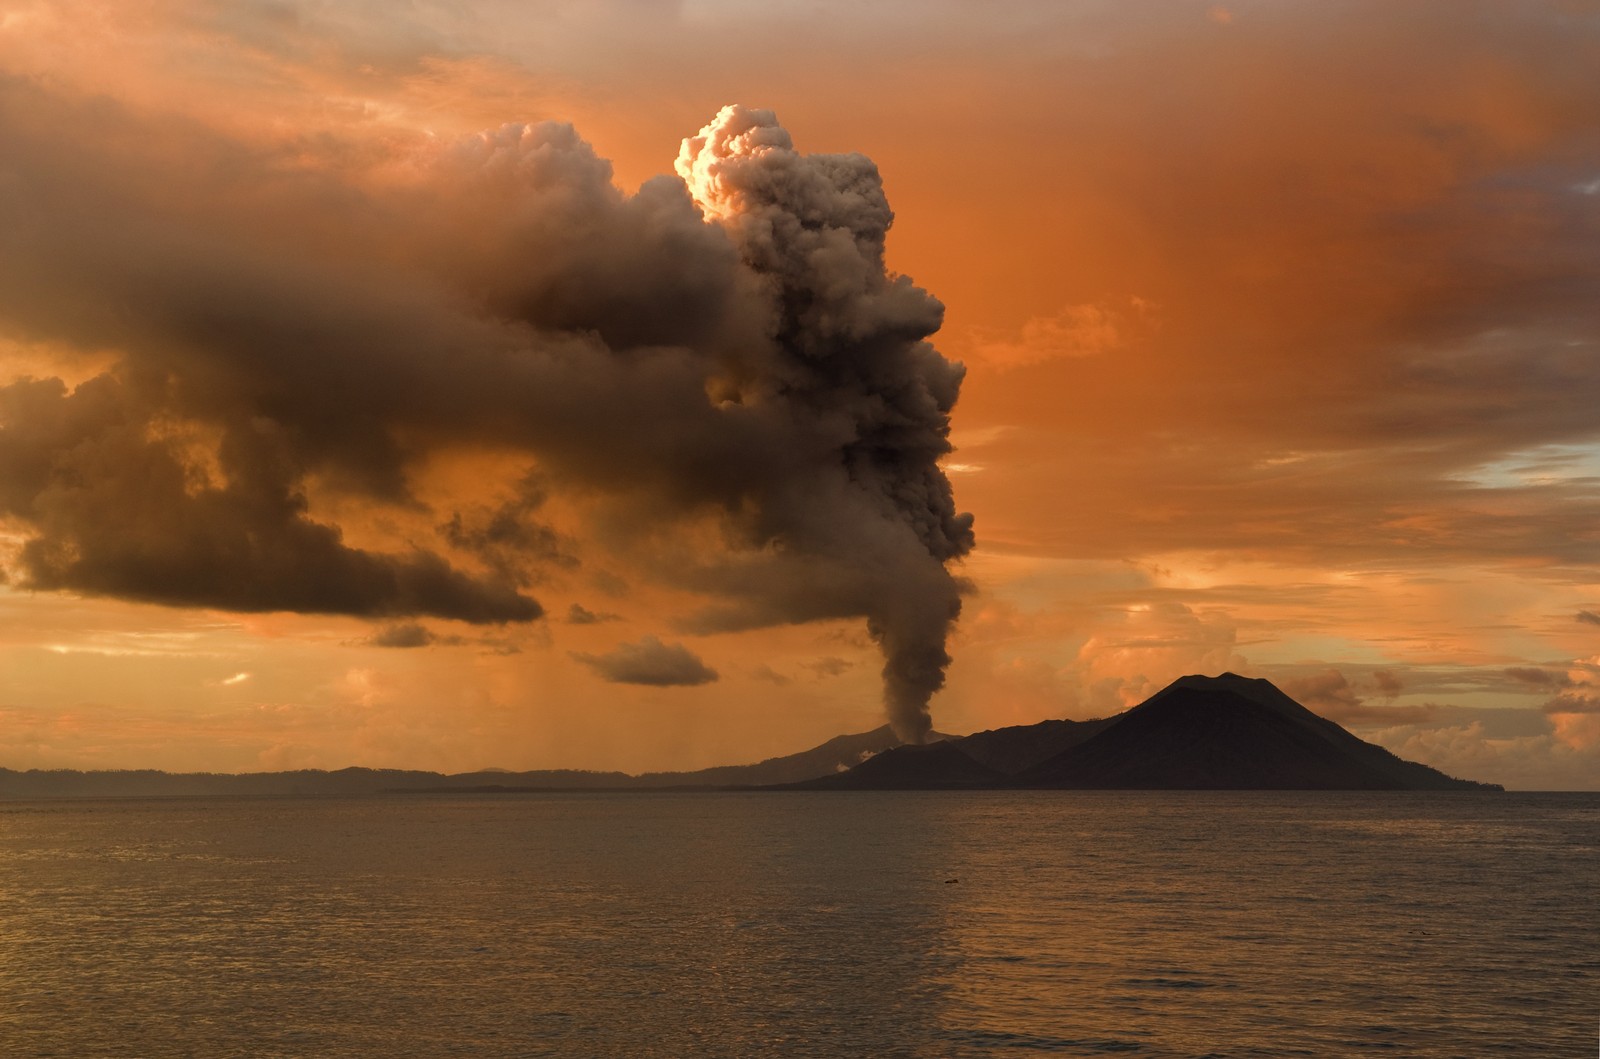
931 766
1199 733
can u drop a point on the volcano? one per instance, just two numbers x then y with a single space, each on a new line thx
1199 733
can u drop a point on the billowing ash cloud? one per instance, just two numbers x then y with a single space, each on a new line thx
650 662
283 324
116 511
848 353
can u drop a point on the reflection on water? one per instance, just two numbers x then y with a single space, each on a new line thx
843 924
1272 924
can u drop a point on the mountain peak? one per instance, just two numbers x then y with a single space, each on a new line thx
1230 731
1258 690
1229 680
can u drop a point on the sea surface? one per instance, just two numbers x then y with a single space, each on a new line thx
803 924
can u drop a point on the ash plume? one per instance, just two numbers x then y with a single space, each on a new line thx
271 324
848 351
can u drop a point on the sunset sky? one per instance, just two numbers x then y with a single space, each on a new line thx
350 415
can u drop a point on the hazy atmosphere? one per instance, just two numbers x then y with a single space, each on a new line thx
451 386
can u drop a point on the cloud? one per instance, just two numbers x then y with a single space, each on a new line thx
1579 732
1380 366
1142 648
876 538
649 662
315 325
1588 617
578 614
762 671
1560 758
1382 355
1573 702
829 666
508 539
1086 330
404 635
1323 692
118 512
1538 678
1332 695
1387 683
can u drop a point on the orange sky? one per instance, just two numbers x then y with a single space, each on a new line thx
1279 323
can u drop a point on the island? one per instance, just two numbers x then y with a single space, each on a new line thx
1224 732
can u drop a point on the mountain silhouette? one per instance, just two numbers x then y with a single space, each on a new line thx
1230 732
826 759
835 756
931 766
1199 733
1020 747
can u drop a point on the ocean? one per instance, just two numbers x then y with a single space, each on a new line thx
1172 924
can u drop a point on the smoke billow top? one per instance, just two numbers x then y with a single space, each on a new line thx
724 348
847 350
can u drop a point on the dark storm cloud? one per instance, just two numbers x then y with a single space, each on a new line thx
118 512
649 662
727 346
1588 617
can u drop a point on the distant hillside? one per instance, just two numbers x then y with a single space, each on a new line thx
984 759
834 756
304 783
933 766
1020 747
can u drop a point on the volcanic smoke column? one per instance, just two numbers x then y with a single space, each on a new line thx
847 355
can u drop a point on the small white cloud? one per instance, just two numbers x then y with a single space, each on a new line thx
237 678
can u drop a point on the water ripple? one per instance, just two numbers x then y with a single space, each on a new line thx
1173 926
